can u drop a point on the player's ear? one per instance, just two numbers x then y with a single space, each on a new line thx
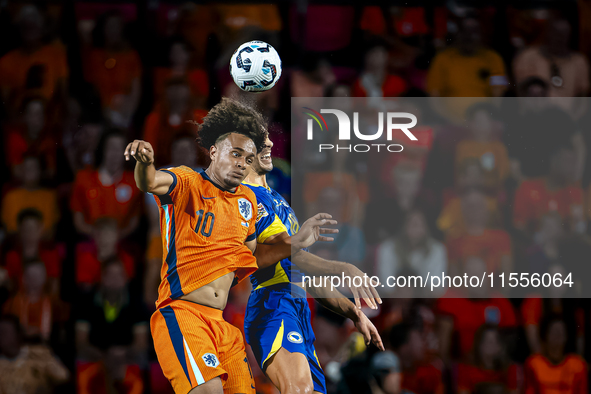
213 152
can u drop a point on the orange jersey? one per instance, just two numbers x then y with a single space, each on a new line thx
204 230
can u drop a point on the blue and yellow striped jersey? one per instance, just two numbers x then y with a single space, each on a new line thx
274 217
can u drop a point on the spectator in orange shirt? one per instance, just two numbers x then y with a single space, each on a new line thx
37 310
491 245
109 190
30 195
485 146
473 209
489 363
34 68
462 312
468 71
180 67
555 193
553 370
565 71
26 369
29 246
113 374
31 136
553 301
114 69
375 81
417 376
414 248
174 116
91 256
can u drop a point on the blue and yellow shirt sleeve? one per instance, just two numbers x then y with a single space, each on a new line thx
268 222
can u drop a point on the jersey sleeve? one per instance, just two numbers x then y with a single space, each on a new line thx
182 177
268 222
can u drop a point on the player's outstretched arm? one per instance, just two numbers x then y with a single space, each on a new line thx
146 177
336 302
317 266
281 247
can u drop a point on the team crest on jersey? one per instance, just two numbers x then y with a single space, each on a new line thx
210 360
261 212
295 337
245 208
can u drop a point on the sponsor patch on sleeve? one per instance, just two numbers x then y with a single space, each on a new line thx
262 212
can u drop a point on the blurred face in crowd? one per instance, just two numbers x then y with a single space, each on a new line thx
471 175
332 200
556 291
113 31
406 180
475 266
376 59
413 351
86 141
178 96
34 118
475 209
551 229
184 152
31 24
106 237
114 278
416 227
31 172
10 343
490 346
179 55
113 161
34 278
558 36
556 338
30 231
264 163
470 37
116 362
482 126
392 383
563 166
329 339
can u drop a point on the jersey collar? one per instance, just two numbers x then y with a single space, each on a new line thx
207 178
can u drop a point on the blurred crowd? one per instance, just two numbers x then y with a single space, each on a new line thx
480 190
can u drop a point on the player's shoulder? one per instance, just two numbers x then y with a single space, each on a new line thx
261 193
184 172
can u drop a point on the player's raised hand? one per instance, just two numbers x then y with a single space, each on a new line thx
311 231
368 330
365 290
140 150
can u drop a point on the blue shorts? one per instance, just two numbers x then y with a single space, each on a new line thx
277 318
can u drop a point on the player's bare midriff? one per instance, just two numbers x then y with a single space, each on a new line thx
213 294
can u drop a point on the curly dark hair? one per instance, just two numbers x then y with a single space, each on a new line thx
232 116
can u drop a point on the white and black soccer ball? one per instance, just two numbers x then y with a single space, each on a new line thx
255 66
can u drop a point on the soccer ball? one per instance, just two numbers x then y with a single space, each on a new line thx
255 66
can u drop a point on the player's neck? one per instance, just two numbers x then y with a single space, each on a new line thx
216 181
256 179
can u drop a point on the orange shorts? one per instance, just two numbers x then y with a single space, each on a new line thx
194 344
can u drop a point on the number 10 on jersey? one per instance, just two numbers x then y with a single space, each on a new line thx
203 222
